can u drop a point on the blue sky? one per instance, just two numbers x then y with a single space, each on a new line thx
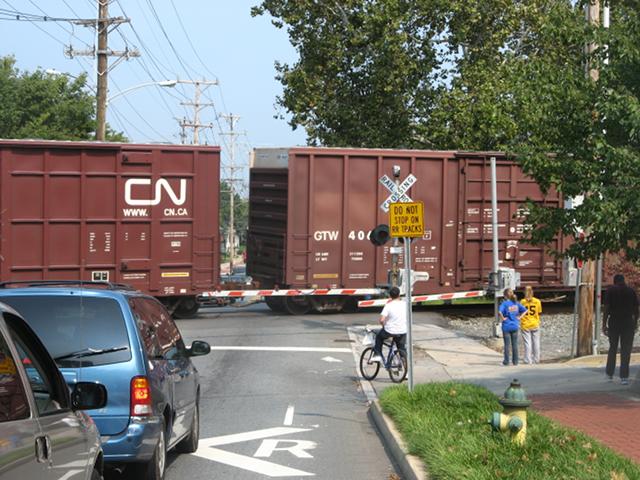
234 47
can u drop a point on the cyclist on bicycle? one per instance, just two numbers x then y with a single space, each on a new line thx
394 324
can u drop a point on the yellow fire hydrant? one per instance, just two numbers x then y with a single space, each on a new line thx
514 417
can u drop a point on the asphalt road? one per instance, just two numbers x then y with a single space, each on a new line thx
284 411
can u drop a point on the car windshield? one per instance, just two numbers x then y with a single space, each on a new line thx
72 326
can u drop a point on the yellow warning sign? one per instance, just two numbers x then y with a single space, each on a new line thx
406 219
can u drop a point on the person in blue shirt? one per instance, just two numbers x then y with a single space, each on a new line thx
511 311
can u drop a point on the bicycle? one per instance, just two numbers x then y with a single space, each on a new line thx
395 361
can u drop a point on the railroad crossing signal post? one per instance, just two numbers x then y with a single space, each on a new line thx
494 237
406 220
398 193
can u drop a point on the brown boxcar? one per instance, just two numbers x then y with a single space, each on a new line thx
311 211
143 215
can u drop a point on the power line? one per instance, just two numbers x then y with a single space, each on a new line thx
32 17
116 114
197 107
70 8
141 117
39 27
166 36
72 21
186 34
158 90
195 51
154 60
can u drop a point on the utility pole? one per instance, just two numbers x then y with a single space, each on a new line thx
585 307
182 122
232 167
102 25
197 107
103 65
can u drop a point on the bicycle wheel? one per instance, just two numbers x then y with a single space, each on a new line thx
368 369
397 367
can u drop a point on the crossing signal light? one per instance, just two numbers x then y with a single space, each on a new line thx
380 235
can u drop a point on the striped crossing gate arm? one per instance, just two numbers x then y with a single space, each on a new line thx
426 298
291 292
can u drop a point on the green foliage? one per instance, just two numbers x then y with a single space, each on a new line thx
241 213
446 425
40 105
493 75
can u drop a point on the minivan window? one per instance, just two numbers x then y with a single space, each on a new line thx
168 334
13 400
77 331
41 385
146 327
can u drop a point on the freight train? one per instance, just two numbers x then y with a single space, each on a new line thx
148 216
312 210
141 215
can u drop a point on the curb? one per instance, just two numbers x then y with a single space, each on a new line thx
600 360
410 466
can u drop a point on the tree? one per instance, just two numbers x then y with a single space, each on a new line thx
492 75
40 105
241 213
360 76
593 128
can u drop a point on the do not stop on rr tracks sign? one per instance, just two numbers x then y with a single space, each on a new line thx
406 220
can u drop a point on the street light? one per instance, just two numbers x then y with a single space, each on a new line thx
161 83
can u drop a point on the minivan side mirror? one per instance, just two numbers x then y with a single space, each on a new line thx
88 396
198 348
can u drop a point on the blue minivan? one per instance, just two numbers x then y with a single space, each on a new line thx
128 342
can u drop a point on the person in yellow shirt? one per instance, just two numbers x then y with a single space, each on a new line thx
530 327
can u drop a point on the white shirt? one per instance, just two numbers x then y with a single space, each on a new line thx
395 315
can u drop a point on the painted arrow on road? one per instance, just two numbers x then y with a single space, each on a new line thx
207 450
331 360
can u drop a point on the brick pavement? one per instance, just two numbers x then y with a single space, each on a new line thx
612 419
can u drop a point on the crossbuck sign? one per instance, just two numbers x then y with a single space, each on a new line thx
398 192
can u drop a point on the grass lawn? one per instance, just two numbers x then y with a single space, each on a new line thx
446 425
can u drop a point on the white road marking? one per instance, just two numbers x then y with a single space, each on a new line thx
331 360
365 384
282 349
207 450
247 436
252 464
288 417
299 448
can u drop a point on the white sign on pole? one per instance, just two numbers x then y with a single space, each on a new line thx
398 192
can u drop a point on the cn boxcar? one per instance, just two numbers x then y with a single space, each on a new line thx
144 215
311 211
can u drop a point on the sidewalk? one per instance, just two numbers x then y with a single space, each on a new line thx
575 393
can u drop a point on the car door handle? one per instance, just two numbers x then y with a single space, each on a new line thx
43 449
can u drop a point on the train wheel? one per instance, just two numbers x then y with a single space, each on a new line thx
350 305
276 304
187 308
297 305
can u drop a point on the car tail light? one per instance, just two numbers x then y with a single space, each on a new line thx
140 397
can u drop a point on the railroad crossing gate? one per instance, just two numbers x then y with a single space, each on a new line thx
406 220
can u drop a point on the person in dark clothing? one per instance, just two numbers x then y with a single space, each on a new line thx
619 323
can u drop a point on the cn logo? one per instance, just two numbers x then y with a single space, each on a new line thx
161 184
